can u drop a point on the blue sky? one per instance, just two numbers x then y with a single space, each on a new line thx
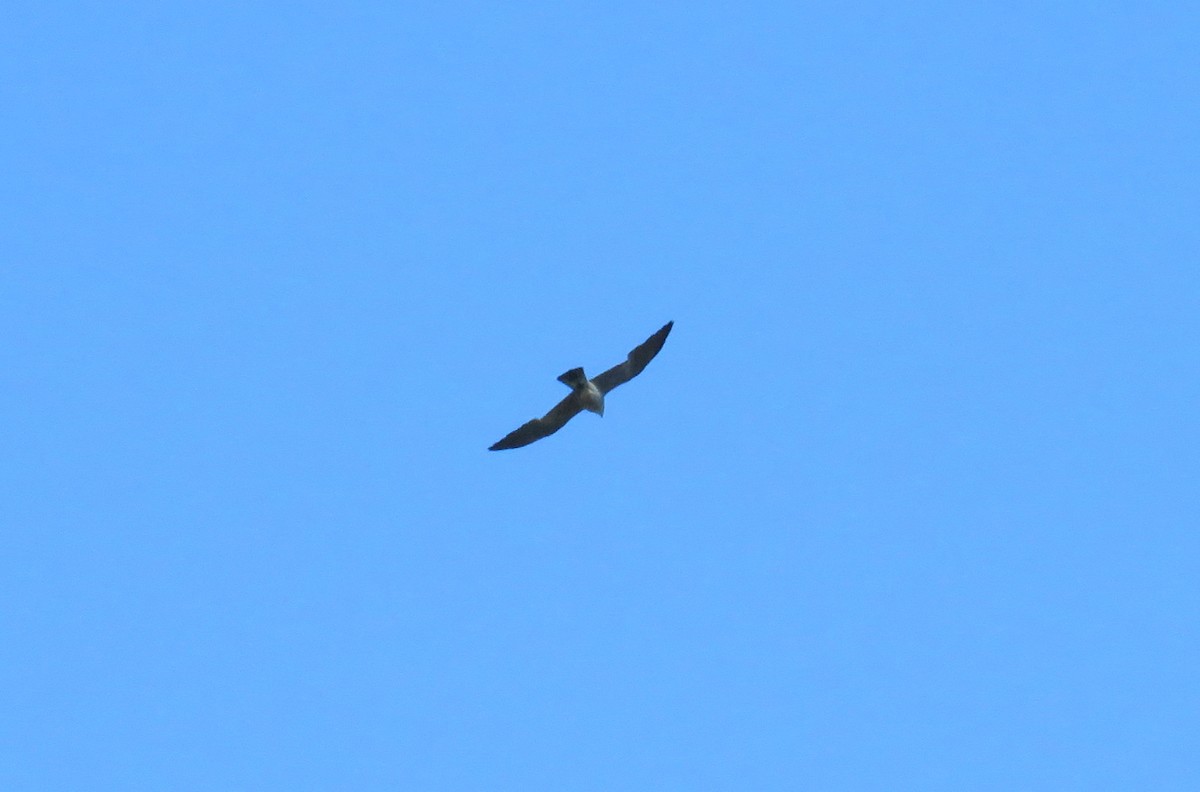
908 500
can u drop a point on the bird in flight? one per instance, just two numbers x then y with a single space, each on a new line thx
586 394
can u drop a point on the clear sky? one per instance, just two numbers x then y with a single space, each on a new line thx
909 500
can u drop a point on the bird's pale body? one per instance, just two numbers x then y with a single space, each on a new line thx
591 398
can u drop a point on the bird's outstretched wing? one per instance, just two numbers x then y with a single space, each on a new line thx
545 426
633 365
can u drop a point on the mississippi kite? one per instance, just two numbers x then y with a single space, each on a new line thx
585 394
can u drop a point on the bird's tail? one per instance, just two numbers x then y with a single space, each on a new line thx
573 378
